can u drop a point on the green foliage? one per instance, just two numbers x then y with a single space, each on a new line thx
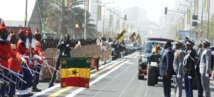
73 14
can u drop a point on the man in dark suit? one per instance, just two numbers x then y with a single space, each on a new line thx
189 68
166 69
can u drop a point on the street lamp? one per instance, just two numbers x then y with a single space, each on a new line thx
104 5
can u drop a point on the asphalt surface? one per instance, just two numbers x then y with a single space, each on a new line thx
115 79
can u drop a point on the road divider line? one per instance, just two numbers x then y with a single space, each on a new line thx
96 80
58 85
92 75
113 80
127 85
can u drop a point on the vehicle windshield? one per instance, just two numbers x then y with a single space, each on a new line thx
150 45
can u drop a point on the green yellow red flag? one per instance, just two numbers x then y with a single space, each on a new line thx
138 38
196 7
75 72
206 5
132 38
65 3
121 34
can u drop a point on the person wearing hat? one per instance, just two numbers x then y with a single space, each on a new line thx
31 46
186 39
13 64
205 67
23 49
178 68
189 68
37 63
166 68
5 49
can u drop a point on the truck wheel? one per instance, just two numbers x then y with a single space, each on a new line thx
151 77
156 77
140 77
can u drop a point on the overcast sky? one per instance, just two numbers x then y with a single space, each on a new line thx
154 8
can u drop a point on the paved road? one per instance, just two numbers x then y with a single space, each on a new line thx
115 79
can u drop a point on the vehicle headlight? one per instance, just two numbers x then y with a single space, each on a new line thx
144 59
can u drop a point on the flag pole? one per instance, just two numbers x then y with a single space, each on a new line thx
208 19
202 17
26 13
103 20
62 20
85 20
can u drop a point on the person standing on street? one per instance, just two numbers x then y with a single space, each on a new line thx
178 68
64 49
189 68
37 63
198 75
205 67
5 48
166 69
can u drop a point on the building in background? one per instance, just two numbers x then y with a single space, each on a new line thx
136 15
14 14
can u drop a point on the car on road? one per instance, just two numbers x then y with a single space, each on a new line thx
148 60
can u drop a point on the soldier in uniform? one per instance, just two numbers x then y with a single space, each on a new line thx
37 63
189 68
14 63
5 49
24 50
205 67
178 68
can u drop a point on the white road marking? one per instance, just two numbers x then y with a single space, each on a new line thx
112 80
127 85
96 80
146 91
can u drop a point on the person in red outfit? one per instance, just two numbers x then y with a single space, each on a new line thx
37 63
13 63
5 49
23 47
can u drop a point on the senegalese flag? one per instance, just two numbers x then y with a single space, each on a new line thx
196 7
206 5
65 3
75 72
121 35
138 38
132 38
156 48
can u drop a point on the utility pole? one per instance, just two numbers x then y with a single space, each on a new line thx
208 30
103 20
44 15
85 19
26 13
202 11
62 19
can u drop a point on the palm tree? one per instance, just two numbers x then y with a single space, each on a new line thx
73 14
